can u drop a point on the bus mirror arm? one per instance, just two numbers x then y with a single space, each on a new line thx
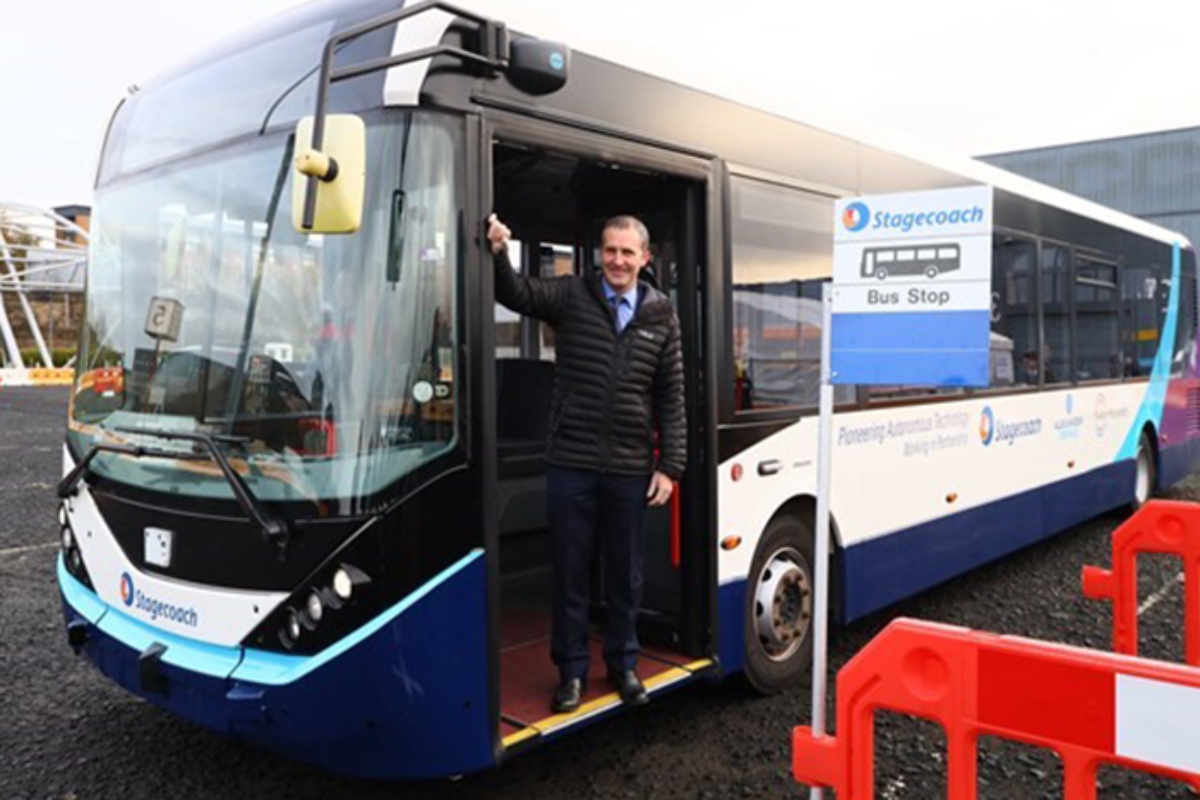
494 45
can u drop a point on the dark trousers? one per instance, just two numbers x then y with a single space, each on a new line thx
585 506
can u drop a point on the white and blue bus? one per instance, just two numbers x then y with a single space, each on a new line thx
304 492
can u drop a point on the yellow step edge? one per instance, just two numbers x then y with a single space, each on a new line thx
600 703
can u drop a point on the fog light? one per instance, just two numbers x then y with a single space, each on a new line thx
74 560
68 539
315 607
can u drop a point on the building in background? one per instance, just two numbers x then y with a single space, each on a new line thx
1154 176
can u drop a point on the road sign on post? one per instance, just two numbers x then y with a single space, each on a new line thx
912 277
910 303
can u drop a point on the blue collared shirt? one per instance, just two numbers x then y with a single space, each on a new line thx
625 305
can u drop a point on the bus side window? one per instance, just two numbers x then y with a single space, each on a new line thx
1014 342
782 241
1055 358
1096 322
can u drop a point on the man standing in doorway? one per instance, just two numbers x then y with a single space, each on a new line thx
618 380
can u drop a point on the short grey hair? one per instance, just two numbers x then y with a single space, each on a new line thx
625 222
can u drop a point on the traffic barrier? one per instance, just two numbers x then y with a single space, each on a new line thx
1091 708
1160 526
37 376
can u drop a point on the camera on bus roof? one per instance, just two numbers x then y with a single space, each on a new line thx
538 67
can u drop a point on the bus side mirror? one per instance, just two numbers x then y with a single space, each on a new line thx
339 171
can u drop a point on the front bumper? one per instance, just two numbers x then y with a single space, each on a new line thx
404 697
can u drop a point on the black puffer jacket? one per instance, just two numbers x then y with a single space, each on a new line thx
610 392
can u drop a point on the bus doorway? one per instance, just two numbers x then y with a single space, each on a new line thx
556 203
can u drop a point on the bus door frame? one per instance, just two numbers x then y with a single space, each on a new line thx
700 321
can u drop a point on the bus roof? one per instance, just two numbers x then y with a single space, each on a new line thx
880 166
603 43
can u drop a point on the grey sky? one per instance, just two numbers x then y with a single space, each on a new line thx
967 76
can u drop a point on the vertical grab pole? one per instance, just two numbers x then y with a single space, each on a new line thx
821 554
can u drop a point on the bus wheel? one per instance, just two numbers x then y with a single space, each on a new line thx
931 272
1143 482
881 273
779 607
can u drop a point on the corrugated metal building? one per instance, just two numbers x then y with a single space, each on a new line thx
1155 176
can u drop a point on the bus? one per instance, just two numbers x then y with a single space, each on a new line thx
303 500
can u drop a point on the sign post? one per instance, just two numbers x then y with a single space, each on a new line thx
910 304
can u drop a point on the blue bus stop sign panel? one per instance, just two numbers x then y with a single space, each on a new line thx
945 349
912 288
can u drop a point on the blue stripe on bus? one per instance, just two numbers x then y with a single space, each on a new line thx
257 666
274 669
1154 401
212 660
404 699
82 599
731 626
882 571
946 348
877 573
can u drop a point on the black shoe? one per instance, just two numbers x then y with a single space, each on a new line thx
629 686
568 695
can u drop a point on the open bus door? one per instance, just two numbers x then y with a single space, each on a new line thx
555 187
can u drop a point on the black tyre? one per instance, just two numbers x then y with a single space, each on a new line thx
779 607
1145 482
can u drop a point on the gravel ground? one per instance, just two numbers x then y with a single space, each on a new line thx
67 733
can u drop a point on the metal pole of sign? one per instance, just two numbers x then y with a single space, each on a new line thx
821 568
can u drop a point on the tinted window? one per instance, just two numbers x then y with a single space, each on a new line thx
1055 358
782 252
1098 354
1014 341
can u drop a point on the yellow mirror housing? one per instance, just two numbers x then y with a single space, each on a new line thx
339 170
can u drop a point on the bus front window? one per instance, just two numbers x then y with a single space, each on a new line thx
330 357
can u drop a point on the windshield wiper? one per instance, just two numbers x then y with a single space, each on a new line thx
273 531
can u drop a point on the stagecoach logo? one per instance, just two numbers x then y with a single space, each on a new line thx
987 426
155 608
856 216
126 589
992 429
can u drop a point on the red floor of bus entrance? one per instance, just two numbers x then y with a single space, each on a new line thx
528 677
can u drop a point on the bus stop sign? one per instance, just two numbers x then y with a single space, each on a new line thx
912 291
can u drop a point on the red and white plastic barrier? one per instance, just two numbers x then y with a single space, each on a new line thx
1091 708
37 376
1160 526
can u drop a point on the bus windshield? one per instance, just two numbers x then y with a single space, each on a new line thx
330 358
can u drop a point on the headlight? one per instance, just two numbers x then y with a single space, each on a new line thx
62 515
343 586
68 538
348 581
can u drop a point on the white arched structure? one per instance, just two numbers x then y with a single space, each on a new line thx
40 251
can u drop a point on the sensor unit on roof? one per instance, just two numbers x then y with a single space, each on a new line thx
538 67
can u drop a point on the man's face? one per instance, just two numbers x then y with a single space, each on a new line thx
622 257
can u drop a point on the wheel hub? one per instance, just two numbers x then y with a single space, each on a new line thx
783 604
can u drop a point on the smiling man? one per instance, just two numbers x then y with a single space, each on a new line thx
618 381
